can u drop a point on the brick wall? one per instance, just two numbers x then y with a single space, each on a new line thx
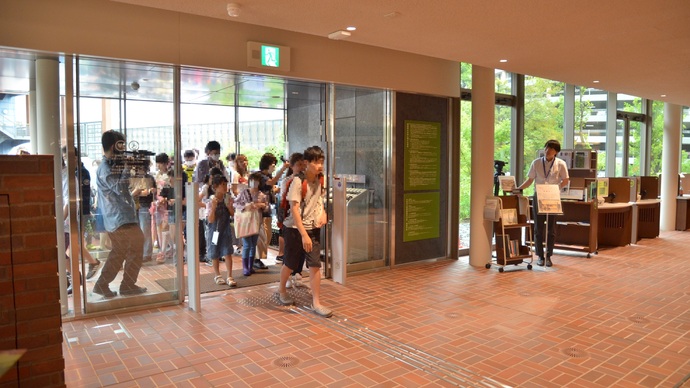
29 288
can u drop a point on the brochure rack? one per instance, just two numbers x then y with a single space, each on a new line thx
513 232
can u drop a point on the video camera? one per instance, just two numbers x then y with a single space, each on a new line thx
136 160
498 165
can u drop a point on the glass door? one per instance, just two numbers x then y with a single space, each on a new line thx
126 137
360 158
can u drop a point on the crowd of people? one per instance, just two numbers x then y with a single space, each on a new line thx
138 215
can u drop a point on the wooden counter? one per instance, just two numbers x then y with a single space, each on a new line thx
615 224
648 214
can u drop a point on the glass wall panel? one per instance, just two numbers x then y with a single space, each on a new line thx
543 117
466 75
203 123
685 141
465 171
590 122
261 130
360 155
657 134
628 103
504 81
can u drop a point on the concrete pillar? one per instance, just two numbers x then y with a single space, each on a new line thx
670 166
48 143
483 101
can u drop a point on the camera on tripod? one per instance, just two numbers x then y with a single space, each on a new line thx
498 166
137 161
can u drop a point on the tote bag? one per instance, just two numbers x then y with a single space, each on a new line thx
247 223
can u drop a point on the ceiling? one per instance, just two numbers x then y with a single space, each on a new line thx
636 47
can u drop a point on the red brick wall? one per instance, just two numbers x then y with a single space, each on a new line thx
29 289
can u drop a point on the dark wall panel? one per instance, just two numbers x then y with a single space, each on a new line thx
420 108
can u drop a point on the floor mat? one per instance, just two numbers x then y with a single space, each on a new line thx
207 284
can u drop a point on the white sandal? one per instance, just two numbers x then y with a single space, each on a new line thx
219 280
231 282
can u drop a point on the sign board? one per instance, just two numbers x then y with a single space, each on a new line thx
268 56
548 199
421 216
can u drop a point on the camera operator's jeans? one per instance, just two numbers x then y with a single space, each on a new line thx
145 225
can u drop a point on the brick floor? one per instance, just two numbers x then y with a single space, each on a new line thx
620 318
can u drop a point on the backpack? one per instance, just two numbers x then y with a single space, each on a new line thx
283 209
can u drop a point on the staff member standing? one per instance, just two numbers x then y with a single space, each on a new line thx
547 169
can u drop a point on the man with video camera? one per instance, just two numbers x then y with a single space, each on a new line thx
119 217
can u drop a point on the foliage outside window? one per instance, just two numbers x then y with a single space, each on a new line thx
543 117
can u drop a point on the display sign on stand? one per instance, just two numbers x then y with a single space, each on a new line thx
548 199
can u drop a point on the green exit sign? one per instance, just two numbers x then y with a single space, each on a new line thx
270 56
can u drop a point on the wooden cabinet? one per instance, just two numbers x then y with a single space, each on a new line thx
615 224
576 229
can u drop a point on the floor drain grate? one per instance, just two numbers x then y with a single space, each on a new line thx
286 362
256 301
638 319
574 352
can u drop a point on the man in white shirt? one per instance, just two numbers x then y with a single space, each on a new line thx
547 169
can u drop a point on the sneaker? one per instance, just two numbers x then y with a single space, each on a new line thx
296 282
540 262
279 258
285 300
104 291
231 282
288 283
548 262
322 311
258 264
93 268
209 263
132 290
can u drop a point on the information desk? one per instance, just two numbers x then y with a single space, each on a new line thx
576 229
683 212
615 224
648 212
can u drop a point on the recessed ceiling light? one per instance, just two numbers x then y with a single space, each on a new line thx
351 28
595 81
391 15
503 60
663 95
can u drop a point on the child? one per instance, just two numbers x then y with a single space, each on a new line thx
204 193
219 238
250 199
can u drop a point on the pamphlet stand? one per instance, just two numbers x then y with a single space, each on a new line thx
513 232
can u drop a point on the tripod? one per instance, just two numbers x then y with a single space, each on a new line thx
498 166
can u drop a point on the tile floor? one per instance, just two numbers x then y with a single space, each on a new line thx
618 319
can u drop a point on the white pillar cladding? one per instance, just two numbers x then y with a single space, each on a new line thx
483 105
670 166
48 143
